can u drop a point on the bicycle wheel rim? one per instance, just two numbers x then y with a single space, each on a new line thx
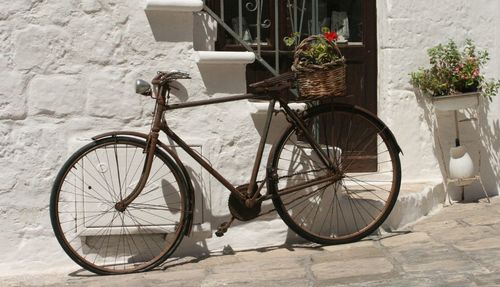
323 203
134 235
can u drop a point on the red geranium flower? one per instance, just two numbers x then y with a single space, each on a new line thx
331 36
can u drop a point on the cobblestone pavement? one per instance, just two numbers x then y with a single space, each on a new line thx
459 246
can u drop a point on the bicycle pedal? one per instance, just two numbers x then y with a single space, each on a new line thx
223 228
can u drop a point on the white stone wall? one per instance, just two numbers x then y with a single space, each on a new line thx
67 70
406 29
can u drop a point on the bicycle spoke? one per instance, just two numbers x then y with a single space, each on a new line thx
100 247
153 207
83 194
323 222
110 173
153 214
81 179
355 204
318 204
301 149
305 197
110 187
138 166
141 197
142 235
107 188
118 172
367 183
367 190
367 201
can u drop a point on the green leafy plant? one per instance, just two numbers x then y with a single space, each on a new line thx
292 40
455 71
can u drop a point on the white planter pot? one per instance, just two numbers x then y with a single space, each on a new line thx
456 101
461 165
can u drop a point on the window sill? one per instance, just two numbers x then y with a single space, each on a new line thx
215 57
174 5
262 106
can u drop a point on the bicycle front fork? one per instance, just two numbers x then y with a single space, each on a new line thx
122 205
150 151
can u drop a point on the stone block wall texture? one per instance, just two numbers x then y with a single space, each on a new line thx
67 70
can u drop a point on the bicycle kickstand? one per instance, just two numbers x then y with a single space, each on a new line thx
223 227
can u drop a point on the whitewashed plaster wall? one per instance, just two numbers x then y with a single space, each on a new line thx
406 29
67 70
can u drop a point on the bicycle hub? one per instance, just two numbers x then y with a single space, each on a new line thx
120 206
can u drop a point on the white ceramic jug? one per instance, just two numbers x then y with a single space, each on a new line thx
461 165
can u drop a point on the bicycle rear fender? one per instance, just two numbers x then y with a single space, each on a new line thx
170 152
381 125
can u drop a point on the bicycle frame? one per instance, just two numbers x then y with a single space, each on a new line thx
161 93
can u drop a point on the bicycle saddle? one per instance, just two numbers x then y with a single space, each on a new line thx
278 83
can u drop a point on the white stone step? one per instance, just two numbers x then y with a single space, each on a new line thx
415 201
224 72
172 20
225 58
174 5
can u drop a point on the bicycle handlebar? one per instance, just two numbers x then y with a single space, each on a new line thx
164 77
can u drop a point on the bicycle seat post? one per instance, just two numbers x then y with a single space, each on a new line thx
251 187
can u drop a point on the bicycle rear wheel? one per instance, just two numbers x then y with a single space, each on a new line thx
102 239
352 197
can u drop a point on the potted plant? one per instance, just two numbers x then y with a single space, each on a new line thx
319 65
454 79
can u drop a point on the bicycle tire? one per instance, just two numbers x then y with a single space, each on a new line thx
365 186
97 236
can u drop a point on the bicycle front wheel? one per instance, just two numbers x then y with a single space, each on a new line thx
350 197
93 232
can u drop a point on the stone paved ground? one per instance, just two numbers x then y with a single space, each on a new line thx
459 246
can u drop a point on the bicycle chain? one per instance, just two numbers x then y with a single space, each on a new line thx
293 174
299 173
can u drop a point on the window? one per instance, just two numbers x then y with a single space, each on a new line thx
281 18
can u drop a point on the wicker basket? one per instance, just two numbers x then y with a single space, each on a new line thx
319 81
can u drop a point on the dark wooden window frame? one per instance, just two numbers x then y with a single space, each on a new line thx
361 59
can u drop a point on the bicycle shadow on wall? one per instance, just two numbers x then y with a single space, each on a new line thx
479 137
179 91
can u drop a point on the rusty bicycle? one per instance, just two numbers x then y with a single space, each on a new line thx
124 202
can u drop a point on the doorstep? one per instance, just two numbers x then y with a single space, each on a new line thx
415 201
